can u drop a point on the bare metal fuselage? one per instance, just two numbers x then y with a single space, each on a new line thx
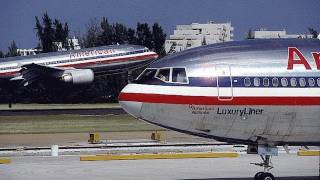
101 60
244 92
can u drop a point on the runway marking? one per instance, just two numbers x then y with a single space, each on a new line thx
107 157
308 153
5 160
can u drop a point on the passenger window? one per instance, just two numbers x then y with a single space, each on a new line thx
293 82
256 81
302 82
311 82
146 75
247 81
275 82
164 74
284 82
265 82
318 81
179 75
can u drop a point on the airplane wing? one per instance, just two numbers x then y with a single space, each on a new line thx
33 72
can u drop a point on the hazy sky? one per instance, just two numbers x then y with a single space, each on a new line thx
17 17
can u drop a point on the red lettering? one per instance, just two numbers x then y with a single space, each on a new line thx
72 55
291 58
316 58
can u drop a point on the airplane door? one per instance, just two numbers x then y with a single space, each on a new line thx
224 82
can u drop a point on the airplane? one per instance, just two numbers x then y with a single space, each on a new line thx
261 93
75 66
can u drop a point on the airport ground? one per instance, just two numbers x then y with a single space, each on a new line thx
76 139
58 106
289 167
72 129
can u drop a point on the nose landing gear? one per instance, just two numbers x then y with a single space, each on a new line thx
265 153
267 165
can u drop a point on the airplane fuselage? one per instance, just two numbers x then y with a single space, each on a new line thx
101 60
259 91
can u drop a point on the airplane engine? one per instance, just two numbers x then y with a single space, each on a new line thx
78 76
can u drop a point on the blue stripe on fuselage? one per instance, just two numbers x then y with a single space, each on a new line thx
238 81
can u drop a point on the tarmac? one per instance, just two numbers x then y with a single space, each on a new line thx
81 111
286 166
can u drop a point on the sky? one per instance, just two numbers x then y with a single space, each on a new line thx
17 17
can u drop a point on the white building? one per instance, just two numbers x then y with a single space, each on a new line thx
194 35
265 34
28 52
73 43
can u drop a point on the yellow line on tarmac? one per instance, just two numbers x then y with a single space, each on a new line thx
107 157
309 153
5 160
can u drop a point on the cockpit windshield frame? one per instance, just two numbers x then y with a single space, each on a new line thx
183 79
161 79
144 71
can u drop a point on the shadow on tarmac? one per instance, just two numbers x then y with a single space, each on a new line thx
278 178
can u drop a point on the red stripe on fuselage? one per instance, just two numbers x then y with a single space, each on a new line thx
9 74
99 61
209 100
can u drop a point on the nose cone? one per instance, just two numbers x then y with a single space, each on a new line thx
131 107
129 103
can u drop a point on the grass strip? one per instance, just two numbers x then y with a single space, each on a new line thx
72 124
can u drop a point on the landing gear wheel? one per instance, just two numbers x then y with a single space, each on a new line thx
267 166
257 176
266 176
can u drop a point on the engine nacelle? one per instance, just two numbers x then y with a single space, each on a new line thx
78 76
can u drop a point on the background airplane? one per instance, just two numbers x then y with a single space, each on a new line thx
75 66
263 93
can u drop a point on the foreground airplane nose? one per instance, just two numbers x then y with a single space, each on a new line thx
131 107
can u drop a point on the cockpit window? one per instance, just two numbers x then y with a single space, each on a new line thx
164 74
147 74
179 75
168 75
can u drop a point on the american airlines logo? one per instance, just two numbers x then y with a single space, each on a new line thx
295 57
91 53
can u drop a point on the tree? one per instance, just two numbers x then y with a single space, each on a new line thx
250 34
132 39
1 54
93 35
144 35
66 34
106 37
158 39
39 29
46 33
49 33
12 50
61 33
120 34
313 32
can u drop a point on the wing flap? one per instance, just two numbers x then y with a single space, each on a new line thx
33 72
